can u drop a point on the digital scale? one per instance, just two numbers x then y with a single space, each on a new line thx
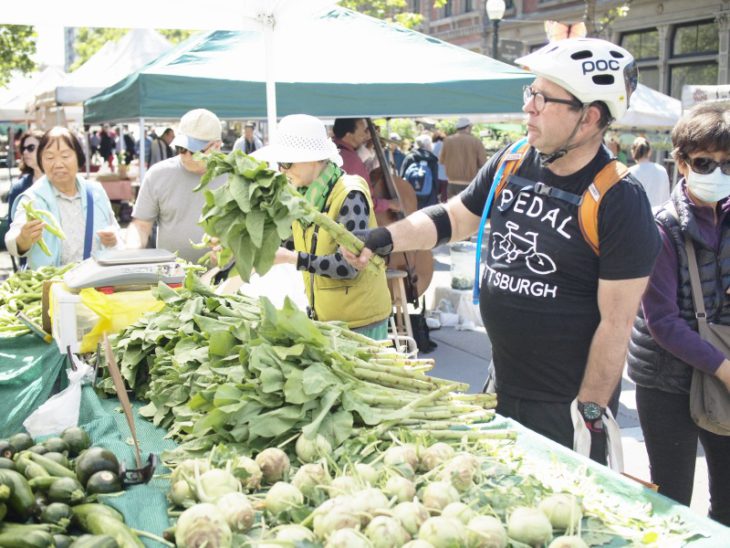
126 267
134 271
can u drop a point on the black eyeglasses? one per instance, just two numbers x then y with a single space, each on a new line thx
541 100
27 148
285 165
703 166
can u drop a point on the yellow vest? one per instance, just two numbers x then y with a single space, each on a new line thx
360 301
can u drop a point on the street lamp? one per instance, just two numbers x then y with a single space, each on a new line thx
495 12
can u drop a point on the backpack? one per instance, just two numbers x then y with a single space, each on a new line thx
419 175
590 201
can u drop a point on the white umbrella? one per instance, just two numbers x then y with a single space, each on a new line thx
273 16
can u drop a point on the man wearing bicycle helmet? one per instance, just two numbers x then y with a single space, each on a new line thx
557 303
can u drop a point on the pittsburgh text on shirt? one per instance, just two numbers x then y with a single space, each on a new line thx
520 286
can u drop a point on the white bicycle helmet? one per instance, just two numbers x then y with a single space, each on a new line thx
589 68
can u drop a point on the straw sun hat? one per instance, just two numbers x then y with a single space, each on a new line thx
300 138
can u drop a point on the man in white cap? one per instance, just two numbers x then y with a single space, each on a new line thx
462 155
166 196
571 246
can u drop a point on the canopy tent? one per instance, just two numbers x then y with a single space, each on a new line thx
650 110
22 89
316 71
113 61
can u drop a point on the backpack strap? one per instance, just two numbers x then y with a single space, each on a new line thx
510 163
611 174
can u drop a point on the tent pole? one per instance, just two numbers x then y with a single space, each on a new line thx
87 150
270 83
142 151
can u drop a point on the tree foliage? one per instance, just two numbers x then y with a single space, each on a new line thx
17 47
390 10
90 40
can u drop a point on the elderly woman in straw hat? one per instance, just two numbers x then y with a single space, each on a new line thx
335 289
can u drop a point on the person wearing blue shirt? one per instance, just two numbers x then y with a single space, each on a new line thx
73 201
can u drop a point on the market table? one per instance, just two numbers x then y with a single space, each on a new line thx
145 506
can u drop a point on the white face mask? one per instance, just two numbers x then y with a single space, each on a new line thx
711 187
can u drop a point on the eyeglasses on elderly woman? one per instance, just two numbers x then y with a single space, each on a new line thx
285 165
28 148
703 166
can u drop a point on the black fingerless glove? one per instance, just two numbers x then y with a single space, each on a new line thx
379 240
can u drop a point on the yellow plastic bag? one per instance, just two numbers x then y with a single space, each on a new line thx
116 311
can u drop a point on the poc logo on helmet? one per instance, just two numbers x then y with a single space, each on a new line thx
589 66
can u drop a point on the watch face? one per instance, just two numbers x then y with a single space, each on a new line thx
591 411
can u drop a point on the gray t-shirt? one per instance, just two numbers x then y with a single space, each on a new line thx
167 197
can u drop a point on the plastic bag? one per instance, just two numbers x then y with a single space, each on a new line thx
582 437
62 410
115 311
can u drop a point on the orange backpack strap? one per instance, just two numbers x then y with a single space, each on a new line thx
514 160
611 174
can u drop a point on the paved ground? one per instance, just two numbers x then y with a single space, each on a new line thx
464 356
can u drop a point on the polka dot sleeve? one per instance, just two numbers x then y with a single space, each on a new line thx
354 215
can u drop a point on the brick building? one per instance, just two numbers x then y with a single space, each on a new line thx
674 41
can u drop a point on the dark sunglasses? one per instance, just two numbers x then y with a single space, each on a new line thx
703 166
285 165
27 148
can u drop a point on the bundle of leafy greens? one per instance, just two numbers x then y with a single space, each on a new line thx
230 369
252 213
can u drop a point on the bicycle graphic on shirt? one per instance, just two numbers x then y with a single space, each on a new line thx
511 246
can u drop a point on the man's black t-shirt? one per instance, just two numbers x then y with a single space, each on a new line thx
539 288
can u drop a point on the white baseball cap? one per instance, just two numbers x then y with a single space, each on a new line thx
300 138
462 123
198 128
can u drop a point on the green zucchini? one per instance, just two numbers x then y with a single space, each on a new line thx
34 470
96 519
4 493
3 511
56 444
103 482
55 512
53 468
95 459
62 541
58 458
76 439
38 448
7 464
6 450
22 537
21 441
95 541
21 499
42 484
66 490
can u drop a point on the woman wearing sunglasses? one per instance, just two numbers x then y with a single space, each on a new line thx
81 207
335 289
29 169
666 345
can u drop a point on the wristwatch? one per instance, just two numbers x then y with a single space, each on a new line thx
591 413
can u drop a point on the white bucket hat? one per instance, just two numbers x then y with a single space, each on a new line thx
198 128
300 138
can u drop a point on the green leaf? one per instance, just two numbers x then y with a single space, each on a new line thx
294 388
325 404
255 225
317 378
337 427
221 343
276 422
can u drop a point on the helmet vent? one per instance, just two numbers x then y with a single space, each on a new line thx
616 54
583 54
603 80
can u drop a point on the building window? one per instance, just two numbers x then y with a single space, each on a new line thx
416 6
448 9
643 44
468 6
692 74
649 76
694 39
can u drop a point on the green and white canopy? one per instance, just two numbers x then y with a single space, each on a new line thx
337 63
